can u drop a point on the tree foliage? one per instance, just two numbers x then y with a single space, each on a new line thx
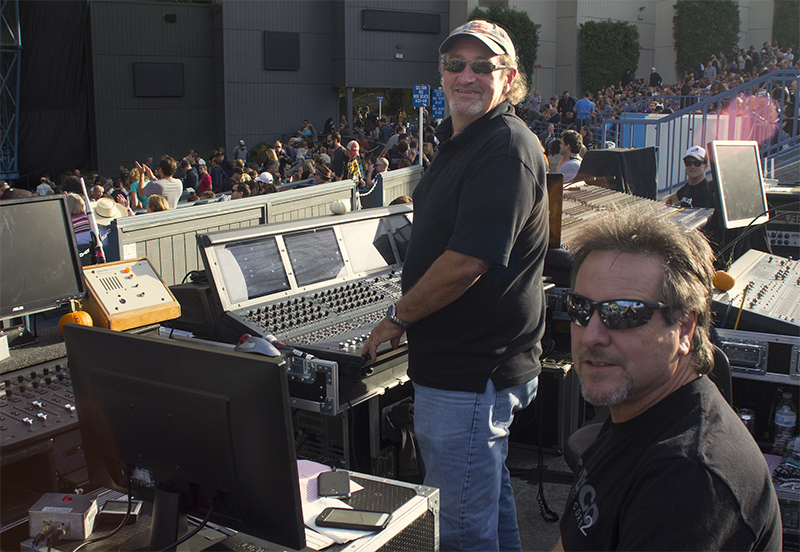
786 23
523 32
701 28
607 50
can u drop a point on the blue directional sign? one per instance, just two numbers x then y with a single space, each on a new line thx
437 111
380 99
422 95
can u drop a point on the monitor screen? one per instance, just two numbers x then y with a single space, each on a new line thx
368 245
737 169
314 255
212 426
39 264
252 269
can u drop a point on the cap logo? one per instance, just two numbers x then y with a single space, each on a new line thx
479 26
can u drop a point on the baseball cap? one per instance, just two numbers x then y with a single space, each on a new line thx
697 152
201 161
494 36
264 177
241 142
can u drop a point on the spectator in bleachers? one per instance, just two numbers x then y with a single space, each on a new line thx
241 151
655 78
191 177
217 174
157 203
235 178
584 110
263 184
240 190
205 178
167 186
354 170
570 162
398 151
384 131
338 155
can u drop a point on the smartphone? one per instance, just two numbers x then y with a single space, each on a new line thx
334 483
345 518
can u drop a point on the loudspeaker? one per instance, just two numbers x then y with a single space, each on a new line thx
557 411
629 170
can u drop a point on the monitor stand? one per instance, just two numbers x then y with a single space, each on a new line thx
17 333
168 523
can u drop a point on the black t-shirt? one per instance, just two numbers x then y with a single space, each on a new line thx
338 161
484 195
683 475
696 196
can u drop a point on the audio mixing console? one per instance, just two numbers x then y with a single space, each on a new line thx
767 290
35 404
319 285
584 204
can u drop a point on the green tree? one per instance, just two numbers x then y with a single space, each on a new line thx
786 23
607 50
523 32
701 28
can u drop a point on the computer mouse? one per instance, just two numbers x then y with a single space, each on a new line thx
258 346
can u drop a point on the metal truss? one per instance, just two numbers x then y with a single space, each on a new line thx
10 56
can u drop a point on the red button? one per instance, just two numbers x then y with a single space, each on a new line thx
67 499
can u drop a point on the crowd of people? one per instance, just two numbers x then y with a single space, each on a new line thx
550 118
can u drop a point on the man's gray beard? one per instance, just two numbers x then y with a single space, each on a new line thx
474 108
621 393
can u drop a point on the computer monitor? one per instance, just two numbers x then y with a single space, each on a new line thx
194 426
39 264
740 185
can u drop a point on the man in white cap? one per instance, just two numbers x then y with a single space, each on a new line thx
473 304
655 78
695 193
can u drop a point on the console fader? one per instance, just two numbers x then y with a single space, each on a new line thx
35 404
331 323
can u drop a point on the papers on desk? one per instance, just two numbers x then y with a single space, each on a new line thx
313 506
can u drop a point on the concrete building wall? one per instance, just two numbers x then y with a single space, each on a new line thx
132 128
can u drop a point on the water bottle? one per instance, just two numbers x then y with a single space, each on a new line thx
785 424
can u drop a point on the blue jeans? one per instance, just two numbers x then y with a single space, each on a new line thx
463 438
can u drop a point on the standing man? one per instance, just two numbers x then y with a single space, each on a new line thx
673 468
337 153
584 109
192 178
473 302
565 104
167 186
695 193
655 78
353 169
241 152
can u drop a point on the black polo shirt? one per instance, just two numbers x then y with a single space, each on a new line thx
484 195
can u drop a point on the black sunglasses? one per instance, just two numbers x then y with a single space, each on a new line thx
692 163
478 67
617 314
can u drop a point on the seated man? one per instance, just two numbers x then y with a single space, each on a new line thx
571 144
695 193
673 468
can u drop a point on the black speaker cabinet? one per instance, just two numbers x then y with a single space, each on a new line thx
557 411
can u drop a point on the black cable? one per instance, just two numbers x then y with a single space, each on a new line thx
56 537
745 233
547 514
748 230
122 523
192 533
